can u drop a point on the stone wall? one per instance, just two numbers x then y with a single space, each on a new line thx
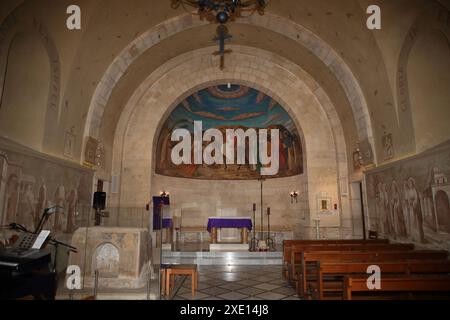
409 200
31 182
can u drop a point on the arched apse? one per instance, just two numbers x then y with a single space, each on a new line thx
428 78
17 23
297 33
224 108
26 88
136 132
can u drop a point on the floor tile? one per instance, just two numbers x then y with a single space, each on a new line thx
215 291
267 286
250 291
271 296
233 296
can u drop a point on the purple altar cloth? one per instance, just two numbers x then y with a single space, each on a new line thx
167 223
230 223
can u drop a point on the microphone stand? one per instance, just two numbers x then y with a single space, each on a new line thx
254 242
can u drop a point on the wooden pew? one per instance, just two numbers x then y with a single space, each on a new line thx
336 271
287 245
406 284
296 250
308 258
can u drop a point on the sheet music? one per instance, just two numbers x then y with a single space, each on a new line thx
41 239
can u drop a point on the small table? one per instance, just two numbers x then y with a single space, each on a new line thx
243 223
167 223
181 270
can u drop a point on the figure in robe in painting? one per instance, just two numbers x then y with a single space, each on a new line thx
29 201
397 211
289 152
60 197
415 212
405 208
12 198
389 218
72 201
41 203
381 209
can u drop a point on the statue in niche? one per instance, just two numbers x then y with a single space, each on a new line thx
388 147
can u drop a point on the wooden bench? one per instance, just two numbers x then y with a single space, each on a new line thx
308 258
406 284
288 244
330 275
181 270
296 251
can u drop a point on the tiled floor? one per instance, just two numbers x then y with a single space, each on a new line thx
237 283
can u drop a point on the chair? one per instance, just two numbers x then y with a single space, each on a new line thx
181 270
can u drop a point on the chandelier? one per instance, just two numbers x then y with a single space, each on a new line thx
221 11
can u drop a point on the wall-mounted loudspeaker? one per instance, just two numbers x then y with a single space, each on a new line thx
99 201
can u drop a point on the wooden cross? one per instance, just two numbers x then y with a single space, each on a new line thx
222 35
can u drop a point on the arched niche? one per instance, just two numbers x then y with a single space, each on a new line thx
106 260
26 91
428 78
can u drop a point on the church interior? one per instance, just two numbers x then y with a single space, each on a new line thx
224 149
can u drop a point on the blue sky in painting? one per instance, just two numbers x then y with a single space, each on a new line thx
217 112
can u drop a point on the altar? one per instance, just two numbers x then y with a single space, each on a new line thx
216 223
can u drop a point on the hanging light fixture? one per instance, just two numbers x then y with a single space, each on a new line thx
221 11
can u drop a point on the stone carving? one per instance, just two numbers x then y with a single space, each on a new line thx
69 144
90 151
388 146
107 261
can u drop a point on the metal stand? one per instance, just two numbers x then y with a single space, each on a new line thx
262 245
269 241
254 242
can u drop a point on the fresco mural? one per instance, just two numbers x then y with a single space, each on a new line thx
409 200
230 107
33 184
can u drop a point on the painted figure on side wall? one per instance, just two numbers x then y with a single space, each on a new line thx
42 202
397 211
12 198
59 199
415 211
443 210
72 201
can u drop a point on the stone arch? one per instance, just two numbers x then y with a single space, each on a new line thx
434 17
21 111
196 68
14 24
275 23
